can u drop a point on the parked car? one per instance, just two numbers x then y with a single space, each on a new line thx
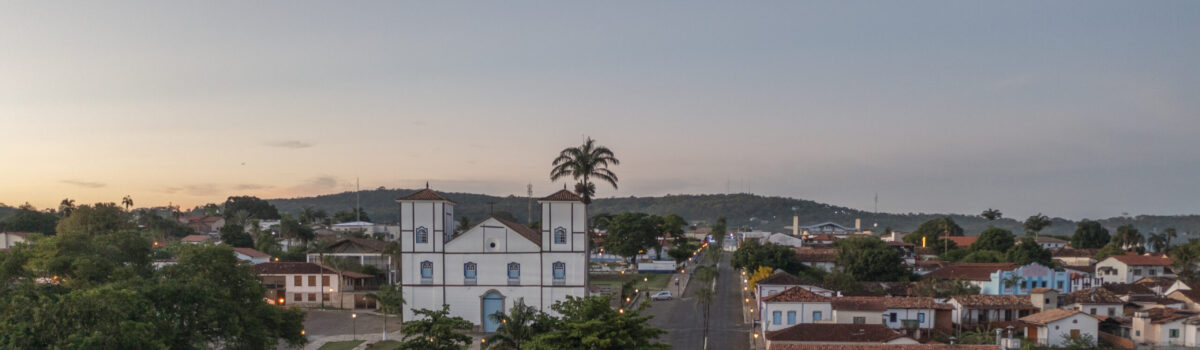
663 295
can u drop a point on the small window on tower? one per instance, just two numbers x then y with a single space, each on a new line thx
560 235
422 235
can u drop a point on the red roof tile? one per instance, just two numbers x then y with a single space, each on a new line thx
781 278
796 295
195 238
891 302
1048 316
251 252
562 195
811 255
1092 296
525 231
971 271
962 241
994 301
424 195
1135 259
292 268
835 333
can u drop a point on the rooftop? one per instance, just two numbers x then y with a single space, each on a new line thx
971 271
292 268
1166 315
1135 259
883 302
994 301
1074 253
251 252
1048 316
781 278
796 295
525 231
1093 296
962 241
562 195
816 254
425 194
881 347
195 238
835 332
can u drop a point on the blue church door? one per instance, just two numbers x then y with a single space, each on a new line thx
492 303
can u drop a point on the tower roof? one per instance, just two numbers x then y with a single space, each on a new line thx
562 195
424 195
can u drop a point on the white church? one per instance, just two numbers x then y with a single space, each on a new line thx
488 267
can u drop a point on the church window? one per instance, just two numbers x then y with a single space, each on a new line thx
560 273
560 235
469 270
426 272
514 273
422 235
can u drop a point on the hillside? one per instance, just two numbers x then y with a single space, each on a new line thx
741 210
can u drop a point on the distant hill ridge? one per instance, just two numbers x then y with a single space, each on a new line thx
740 210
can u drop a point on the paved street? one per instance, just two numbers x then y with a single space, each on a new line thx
684 321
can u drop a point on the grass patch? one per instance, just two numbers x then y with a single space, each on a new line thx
341 345
385 345
642 281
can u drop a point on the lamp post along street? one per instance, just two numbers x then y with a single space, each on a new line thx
354 325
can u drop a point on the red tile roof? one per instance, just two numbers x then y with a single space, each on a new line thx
835 333
1074 253
195 238
251 252
292 268
962 241
424 195
1135 259
889 303
1166 315
812 255
776 346
1092 296
562 195
994 301
971 271
796 295
1048 316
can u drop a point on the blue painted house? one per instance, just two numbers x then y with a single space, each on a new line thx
1027 277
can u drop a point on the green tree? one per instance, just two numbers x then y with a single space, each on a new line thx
436 330
932 231
632 233
842 282
291 228
1128 237
66 207
681 253
870 259
1171 234
258 208
1029 251
28 219
752 255
351 215
719 230
101 218
704 300
1036 223
1089 235
1184 258
1157 241
127 202
584 163
589 323
1108 250
390 301
236 236
518 328
983 256
673 227
991 215
994 238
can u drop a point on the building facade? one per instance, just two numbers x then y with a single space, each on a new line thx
1022 279
488 268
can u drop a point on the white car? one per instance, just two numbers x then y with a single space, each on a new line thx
663 295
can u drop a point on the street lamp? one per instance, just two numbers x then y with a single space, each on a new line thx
354 325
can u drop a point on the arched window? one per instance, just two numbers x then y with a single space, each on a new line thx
469 272
422 235
426 272
560 272
560 235
514 273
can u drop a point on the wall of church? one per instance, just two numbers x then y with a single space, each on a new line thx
467 301
491 236
430 215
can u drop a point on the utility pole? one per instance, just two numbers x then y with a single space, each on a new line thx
529 211
357 200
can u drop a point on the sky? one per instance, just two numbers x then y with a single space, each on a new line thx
1077 109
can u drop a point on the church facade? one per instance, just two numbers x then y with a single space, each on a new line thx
490 266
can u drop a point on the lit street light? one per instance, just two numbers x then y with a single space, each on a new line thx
354 325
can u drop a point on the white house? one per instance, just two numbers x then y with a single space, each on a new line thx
836 334
1056 327
794 306
10 239
892 312
1160 326
1131 267
1096 302
361 251
252 255
1051 243
486 269
299 283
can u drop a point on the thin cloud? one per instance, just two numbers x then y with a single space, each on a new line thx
86 184
293 144
201 189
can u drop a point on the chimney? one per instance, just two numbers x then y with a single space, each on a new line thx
858 224
796 226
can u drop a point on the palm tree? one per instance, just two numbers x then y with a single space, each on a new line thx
1171 234
517 328
66 206
127 202
1036 223
704 300
991 215
1158 241
583 163
1012 281
390 301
